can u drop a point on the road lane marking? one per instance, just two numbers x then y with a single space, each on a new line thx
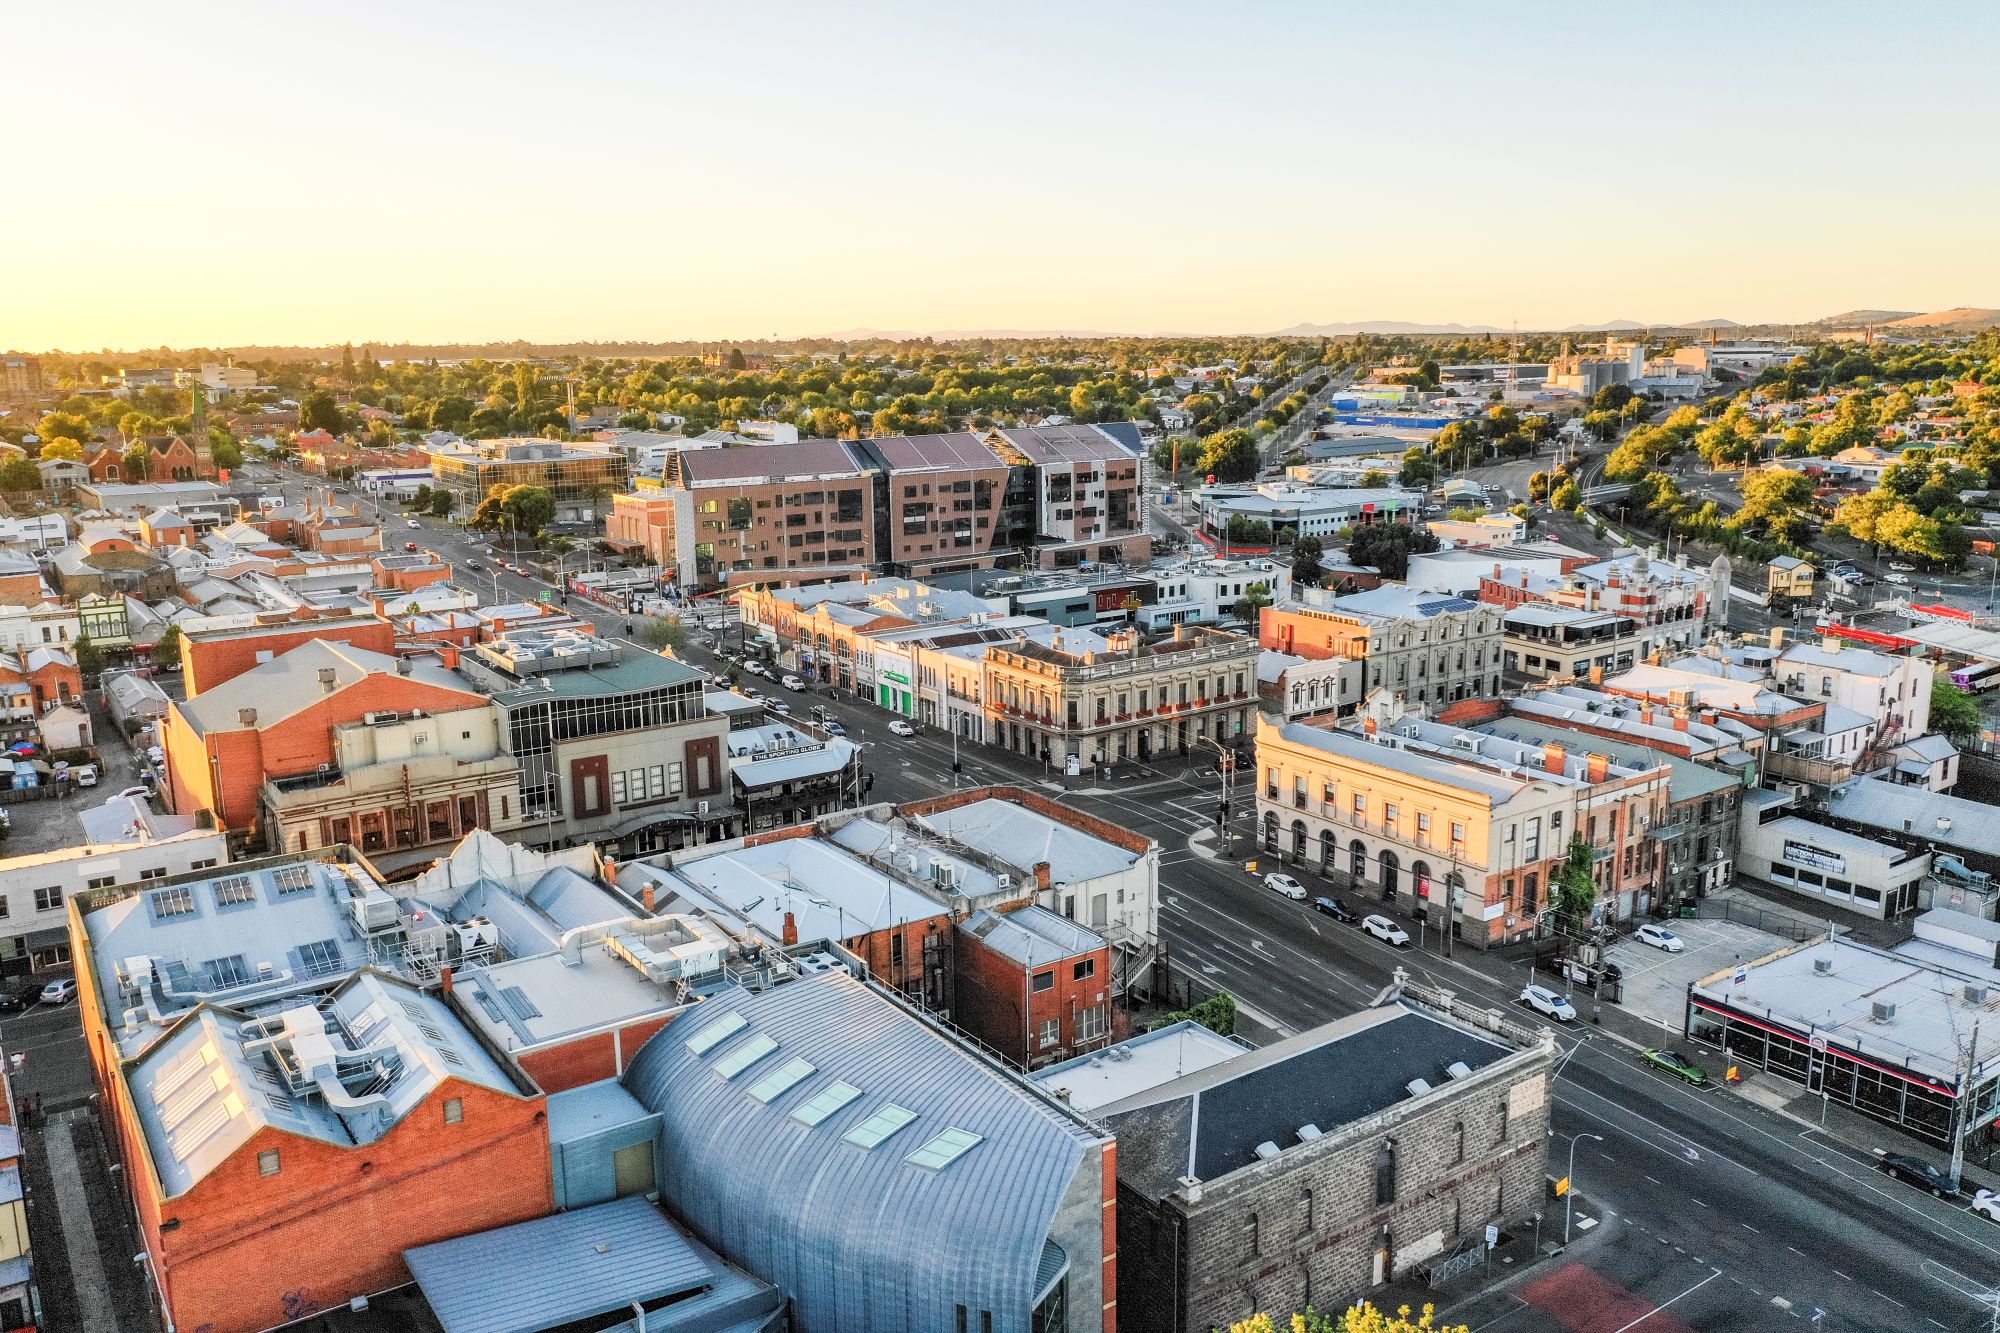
1747 1227
1887 1297
1713 1274
1697 1202
1837 1273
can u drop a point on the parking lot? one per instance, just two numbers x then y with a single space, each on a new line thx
1656 981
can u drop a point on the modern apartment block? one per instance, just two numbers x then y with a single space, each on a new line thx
580 478
940 502
781 513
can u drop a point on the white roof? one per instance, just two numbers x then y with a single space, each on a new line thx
1024 837
829 893
1136 1066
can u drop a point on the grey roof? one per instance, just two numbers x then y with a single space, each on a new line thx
1032 936
771 462
1970 825
861 1238
1073 443
956 451
1207 1124
571 1266
1087 1082
1493 786
1687 780
581 1113
1856 661
831 893
1024 837
289 683
1930 749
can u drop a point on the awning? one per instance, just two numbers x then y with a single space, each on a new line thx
42 939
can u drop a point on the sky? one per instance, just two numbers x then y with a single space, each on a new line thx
226 174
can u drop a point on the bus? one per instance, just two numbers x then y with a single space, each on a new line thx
1977 678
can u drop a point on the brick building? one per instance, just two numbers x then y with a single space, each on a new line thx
1315 1170
216 649
1032 986
1431 648
781 513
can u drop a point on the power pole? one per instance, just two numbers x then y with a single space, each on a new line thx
1969 1090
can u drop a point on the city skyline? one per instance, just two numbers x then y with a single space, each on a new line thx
443 174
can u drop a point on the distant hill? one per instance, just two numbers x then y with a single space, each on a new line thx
1959 317
1381 326
1610 326
968 335
1712 324
1851 318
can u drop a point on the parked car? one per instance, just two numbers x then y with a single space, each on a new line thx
1336 909
1916 1171
16 996
1987 1204
833 728
902 728
84 775
409 546
756 668
1549 1004
1286 885
411 523
1659 937
1387 931
1900 580
1673 1062
1902 567
781 708
792 682
61 991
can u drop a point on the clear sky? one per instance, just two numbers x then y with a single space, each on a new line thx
225 173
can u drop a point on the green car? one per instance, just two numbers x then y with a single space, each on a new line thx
1676 1064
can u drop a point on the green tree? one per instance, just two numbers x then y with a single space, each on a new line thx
1778 503
1538 486
1252 603
663 632
1573 890
1306 553
1567 496
532 507
227 454
441 502
318 411
89 657
1217 1013
61 425
737 361
1228 456
64 448
1954 712
166 653
138 462
19 475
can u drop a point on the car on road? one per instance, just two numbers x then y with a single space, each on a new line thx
1385 930
472 565
1673 1062
411 523
1916 1171
409 546
833 727
751 692
1659 937
756 668
1286 885
1987 1204
901 728
84 775
60 991
1549 1004
792 682
1900 580
1902 567
1336 909
781 708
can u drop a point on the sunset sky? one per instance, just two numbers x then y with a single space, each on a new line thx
232 173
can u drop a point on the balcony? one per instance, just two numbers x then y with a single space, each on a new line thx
1807 769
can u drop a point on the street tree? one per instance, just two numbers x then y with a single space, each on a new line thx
138 462
1954 712
89 657
1252 603
1573 890
1228 456
167 652
318 411
1306 553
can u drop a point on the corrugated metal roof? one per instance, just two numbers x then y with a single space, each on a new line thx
861 1238
569 1266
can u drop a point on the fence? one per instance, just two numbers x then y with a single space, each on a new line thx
1767 919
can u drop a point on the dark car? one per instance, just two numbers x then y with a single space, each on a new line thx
1336 909
17 995
1916 1171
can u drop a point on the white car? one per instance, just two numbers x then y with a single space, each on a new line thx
1387 931
781 708
1903 566
1987 1204
1659 937
1900 580
1549 1004
411 523
791 682
902 728
756 668
1286 885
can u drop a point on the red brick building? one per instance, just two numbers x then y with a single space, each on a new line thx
225 647
1032 986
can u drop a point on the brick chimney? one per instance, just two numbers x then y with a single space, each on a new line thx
649 899
1553 756
1680 721
1708 717
1597 767
1368 725
1041 876
1597 675
791 935
444 979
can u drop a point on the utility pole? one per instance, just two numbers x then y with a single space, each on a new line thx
1969 1091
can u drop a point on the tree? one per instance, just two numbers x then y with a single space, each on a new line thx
1306 553
61 425
138 462
1779 503
166 653
1573 889
736 359
1538 486
19 475
666 633
62 448
227 454
1364 1318
1253 601
1388 546
318 411
531 508
1567 496
1228 456
89 657
441 503
1217 1013
1954 712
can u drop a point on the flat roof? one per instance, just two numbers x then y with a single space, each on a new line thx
1495 787
1025 837
829 893
1131 1067
804 461
956 451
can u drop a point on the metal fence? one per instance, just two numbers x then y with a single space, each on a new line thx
1763 918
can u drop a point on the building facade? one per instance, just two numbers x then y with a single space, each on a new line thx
1432 649
580 478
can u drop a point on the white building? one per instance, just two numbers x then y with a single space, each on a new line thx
1896 691
1313 511
1204 590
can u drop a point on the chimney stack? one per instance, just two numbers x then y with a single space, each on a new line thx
1553 756
444 979
791 935
1368 725
327 678
402 666
246 717
1597 675
649 899
1680 721
1708 717
1597 767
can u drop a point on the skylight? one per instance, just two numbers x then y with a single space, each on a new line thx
879 1126
292 879
173 902
786 1075
745 1055
945 1149
706 1040
825 1102
236 889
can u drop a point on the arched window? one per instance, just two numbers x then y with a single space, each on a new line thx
1299 838
1391 872
1385 1173
1357 861
1270 831
1328 849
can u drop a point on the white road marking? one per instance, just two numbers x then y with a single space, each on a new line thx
1713 1274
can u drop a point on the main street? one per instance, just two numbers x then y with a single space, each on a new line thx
1697 1209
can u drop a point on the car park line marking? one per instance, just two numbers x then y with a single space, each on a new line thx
1891 1299
1747 1227
1837 1273
1796 1250
1698 1203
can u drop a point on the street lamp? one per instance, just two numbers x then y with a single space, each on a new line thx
1569 1193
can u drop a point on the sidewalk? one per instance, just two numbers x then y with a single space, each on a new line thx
77 1220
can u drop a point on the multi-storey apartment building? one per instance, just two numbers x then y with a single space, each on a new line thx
939 502
781 513
1135 700
1674 607
580 478
1430 648
1459 825
1087 488
1564 642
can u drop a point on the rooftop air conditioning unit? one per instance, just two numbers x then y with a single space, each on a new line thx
1417 1087
1823 967
1882 1011
1975 995
945 874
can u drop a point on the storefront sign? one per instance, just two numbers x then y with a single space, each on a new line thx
1804 854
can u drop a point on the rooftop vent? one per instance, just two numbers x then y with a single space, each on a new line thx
1266 1150
1417 1087
1458 1069
1975 995
1882 1011
1823 966
1307 1133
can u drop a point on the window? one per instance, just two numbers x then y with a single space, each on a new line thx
1458 1142
774 1084
1092 1023
1503 1121
106 881
1385 1173
267 1162
171 902
674 778
879 1126
320 956
1457 832
1051 1033
745 1055
945 1149
1045 980
226 972
454 1110
1083 969
618 787
48 899
825 1102
1360 804
1250 1242
234 890
292 879
157 872
1305 1212
706 1040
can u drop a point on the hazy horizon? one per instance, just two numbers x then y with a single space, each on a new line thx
459 174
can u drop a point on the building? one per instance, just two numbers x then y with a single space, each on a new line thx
580 478
288 1119
941 502
1031 985
1445 820
993 1204
1673 607
615 744
217 649
739 515
1564 643
1310 511
1895 691
1430 648
1487 530
1203 590
1789 576
1459 571
1315 1170
1086 491
1861 874
780 775
20 380
1136 699
1881 1031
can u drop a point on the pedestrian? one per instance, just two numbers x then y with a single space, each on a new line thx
628 629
